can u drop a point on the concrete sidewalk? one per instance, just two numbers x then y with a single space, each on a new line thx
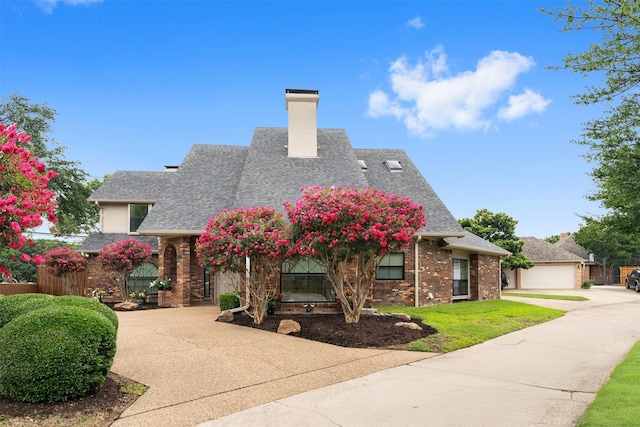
198 369
545 375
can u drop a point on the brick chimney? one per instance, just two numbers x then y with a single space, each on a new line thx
303 130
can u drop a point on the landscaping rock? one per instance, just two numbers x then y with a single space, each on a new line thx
127 305
409 325
226 316
401 316
287 326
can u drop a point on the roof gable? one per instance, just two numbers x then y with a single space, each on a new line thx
538 250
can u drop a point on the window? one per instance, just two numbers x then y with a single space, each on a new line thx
460 278
393 165
137 214
141 276
305 280
391 267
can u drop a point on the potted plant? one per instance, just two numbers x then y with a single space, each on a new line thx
272 301
164 284
138 297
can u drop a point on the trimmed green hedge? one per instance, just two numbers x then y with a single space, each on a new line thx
91 304
55 354
14 306
228 301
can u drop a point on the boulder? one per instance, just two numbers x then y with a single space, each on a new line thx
409 325
127 305
287 326
401 316
226 316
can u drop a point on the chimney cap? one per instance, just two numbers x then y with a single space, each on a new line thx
303 91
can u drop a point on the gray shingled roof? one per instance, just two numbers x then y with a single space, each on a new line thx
569 244
409 183
473 242
96 241
538 250
212 178
133 186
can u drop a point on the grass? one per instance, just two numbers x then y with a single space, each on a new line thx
616 404
469 323
136 389
544 296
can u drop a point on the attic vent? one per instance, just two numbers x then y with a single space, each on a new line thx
363 165
393 165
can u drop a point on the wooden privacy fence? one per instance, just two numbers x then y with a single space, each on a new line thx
54 285
624 271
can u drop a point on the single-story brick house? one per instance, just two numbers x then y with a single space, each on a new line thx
445 263
553 267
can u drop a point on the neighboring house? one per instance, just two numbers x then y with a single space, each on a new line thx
444 263
554 267
593 268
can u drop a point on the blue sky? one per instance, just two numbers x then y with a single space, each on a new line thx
462 86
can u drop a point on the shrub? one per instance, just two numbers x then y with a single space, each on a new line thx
91 304
587 284
17 305
55 354
229 300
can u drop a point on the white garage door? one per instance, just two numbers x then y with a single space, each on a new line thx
549 277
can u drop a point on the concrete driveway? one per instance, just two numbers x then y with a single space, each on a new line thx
198 369
545 375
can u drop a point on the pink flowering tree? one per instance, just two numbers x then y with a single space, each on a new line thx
232 237
121 258
348 231
66 263
24 194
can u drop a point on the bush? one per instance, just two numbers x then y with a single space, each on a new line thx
89 303
228 301
587 284
55 354
16 305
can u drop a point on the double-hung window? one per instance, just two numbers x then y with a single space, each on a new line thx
460 278
391 267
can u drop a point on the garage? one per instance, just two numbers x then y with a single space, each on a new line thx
553 267
552 276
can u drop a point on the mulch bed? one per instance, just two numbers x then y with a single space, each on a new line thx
370 332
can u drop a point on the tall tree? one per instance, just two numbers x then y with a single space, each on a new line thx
499 229
613 140
76 215
348 231
606 242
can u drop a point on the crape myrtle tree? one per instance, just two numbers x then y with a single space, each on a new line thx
24 194
499 229
65 262
258 234
122 257
613 139
348 231
72 186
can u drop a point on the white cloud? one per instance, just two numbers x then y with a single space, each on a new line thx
415 23
428 98
49 5
523 104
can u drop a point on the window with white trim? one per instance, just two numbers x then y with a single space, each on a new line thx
137 213
460 278
391 267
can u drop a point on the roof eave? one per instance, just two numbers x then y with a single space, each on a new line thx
486 251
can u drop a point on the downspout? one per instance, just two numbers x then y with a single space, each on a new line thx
417 272
246 287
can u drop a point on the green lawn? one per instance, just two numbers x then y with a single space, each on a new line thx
468 323
543 296
616 404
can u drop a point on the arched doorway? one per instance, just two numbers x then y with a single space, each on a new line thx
170 263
